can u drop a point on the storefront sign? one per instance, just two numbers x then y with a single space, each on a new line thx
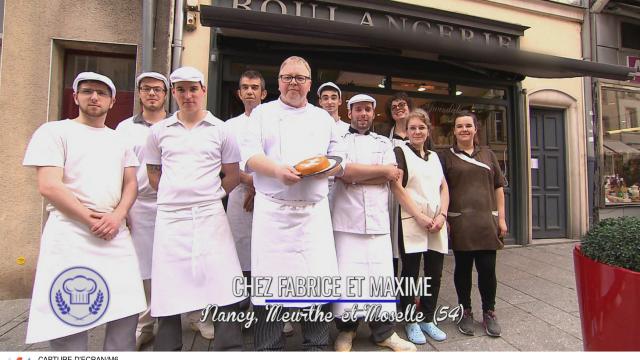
375 19
634 62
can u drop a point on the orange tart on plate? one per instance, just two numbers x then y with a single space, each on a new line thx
312 165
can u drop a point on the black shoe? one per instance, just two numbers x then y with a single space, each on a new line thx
490 323
466 323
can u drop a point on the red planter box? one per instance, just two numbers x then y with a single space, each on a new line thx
609 300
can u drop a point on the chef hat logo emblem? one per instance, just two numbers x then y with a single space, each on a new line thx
79 288
79 296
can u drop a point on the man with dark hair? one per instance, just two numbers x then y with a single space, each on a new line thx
251 92
330 99
361 225
194 257
152 89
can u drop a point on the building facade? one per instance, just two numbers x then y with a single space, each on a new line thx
516 63
616 40
44 45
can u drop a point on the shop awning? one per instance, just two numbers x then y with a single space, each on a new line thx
510 60
619 147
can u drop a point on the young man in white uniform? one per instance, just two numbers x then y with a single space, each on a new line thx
292 233
330 99
152 89
251 92
87 272
361 222
194 257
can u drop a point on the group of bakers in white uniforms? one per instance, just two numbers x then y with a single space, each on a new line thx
277 222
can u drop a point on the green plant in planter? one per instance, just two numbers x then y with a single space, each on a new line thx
615 242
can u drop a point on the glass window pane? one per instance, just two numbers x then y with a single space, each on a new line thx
269 72
121 70
621 146
463 90
493 128
422 86
349 78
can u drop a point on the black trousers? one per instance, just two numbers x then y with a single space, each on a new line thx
433 262
228 334
380 331
268 335
485 261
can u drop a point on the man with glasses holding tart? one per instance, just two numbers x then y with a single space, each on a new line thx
152 89
292 233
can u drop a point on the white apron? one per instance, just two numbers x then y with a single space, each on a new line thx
291 238
241 223
368 256
194 260
423 187
142 219
69 244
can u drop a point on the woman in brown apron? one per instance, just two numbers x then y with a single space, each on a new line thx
476 217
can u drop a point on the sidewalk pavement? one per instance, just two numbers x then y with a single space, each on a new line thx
536 306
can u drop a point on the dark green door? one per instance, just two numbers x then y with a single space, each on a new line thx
548 174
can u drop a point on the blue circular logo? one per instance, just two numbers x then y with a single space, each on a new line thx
79 296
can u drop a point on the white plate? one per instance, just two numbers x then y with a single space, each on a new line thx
333 162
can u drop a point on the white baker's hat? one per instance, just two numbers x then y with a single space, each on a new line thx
186 73
361 98
331 85
91 76
153 75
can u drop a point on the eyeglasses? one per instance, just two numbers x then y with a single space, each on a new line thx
300 79
399 106
148 89
89 92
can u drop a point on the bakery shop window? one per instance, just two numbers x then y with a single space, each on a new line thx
620 146
120 68
420 85
493 128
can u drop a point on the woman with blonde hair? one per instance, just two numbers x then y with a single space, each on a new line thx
423 180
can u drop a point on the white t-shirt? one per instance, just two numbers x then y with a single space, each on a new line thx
238 127
92 159
288 135
191 160
343 127
135 134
